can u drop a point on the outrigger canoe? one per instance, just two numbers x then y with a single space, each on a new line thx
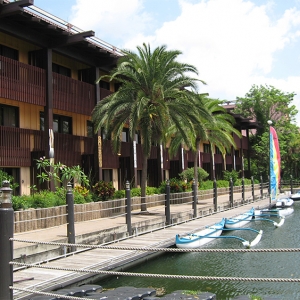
199 238
240 220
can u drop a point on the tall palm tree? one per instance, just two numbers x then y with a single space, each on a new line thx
155 94
220 132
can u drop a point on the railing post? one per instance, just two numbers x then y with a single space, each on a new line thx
70 217
215 195
194 198
128 208
231 192
252 186
6 248
292 190
261 187
167 204
243 190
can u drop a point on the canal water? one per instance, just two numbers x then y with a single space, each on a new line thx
243 265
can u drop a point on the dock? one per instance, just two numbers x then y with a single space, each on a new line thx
90 263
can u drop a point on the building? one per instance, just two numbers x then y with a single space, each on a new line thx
48 69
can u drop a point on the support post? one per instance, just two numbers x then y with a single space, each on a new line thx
252 186
261 187
6 249
128 208
215 195
292 190
70 217
194 198
167 204
231 192
243 190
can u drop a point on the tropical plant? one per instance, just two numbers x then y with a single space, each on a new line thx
104 190
154 94
60 173
188 174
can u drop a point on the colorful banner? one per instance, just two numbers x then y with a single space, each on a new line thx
274 164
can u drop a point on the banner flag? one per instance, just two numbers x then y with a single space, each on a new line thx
274 164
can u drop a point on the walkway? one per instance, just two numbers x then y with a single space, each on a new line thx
110 259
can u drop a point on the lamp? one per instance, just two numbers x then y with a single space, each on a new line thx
69 187
5 192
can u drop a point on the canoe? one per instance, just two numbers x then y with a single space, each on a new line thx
240 220
277 212
199 238
284 202
296 196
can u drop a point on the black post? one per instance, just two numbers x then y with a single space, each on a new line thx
215 195
243 190
128 208
292 190
167 204
252 185
194 198
261 187
70 218
231 192
6 248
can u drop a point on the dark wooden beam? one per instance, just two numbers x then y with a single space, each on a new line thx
73 39
14 7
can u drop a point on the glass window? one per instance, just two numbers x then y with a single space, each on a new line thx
9 115
61 124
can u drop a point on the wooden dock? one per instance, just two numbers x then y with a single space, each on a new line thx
60 273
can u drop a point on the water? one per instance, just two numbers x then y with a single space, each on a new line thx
244 265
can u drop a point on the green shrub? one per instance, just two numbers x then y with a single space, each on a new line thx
234 175
206 185
222 183
188 174
119 194
176 186
104 190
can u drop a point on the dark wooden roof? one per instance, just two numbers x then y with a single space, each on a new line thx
25 21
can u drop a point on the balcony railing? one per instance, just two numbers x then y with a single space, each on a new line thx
25 83
16 145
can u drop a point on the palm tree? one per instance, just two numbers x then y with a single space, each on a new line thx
155 94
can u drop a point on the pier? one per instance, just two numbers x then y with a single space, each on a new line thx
94 259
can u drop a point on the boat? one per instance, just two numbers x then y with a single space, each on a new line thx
240 220
284 202
277 212
199 238
296 196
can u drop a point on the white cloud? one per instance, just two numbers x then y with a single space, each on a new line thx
112 20
233 43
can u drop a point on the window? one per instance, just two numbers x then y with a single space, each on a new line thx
125 135
237 153
104 84
61 70
218 150
90 128
61 124
9 52
9 115
206 148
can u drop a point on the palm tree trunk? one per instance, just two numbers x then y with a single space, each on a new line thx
196 153
144 184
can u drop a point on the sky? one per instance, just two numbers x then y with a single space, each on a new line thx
234 44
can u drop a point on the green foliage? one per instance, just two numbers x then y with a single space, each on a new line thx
176 186
5 176
206 185
188 174
104 190
60 172
234 175
222 183
246 182
119 194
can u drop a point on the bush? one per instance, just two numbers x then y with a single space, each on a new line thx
103 190
188 174
231 174
176 186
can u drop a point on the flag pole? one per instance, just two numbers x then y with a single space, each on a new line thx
270 123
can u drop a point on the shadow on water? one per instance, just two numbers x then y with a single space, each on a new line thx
242 265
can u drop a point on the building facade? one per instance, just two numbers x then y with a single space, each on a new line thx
48 70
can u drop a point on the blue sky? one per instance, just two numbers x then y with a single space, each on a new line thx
233 43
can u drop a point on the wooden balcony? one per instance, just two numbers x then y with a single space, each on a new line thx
17 144
25 83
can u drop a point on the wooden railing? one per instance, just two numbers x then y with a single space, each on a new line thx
25 83
15 146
